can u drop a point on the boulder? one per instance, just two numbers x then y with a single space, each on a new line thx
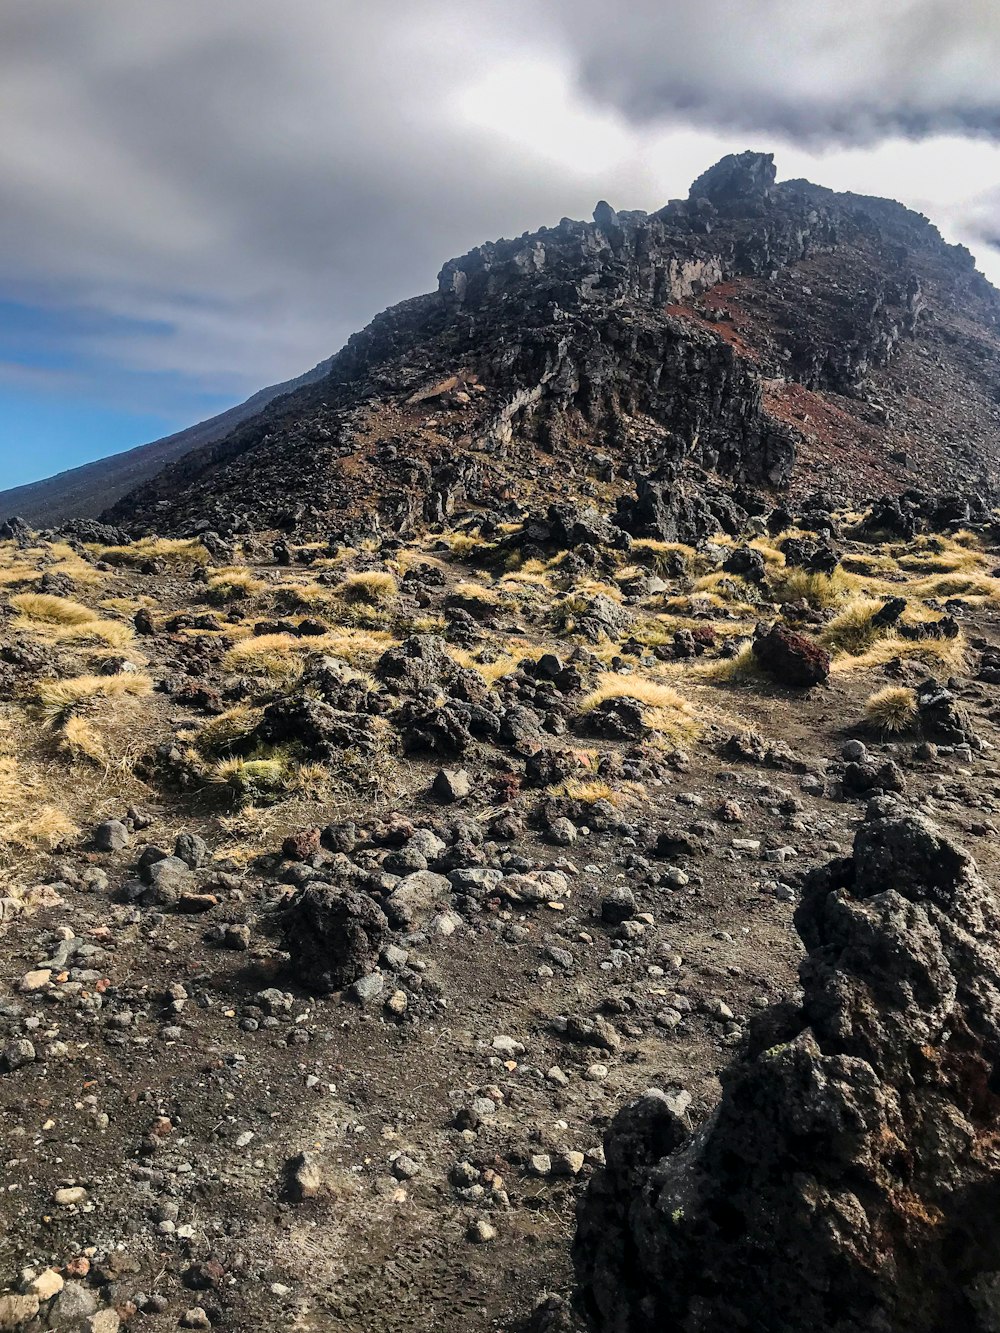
843 1180
791 658
333 936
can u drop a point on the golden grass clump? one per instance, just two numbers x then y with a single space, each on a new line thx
819 590
58 699
232 585
588 791
474 594
741 668
944 654
281 654
664 710
892 709
60 618
80 739
376 587
664 558
27 820
464 543
852 630
180 554
220 733
51 610
505 665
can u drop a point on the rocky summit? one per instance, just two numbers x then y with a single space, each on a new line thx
506 839
754 335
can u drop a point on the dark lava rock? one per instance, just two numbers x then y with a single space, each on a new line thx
791 658
747 563
942 718
334 936
843 1180
864 777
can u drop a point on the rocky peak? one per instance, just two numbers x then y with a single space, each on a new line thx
736 176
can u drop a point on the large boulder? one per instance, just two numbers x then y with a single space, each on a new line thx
845 1179
791 658
333 935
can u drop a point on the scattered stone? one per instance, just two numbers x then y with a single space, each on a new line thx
451 784
303 1178
16 1054
112 836
481 1232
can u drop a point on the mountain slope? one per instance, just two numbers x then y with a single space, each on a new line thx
83 492
755 335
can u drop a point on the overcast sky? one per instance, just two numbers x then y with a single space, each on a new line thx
200 197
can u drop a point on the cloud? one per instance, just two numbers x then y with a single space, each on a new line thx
204 198
849 71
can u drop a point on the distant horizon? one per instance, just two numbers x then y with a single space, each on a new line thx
181 231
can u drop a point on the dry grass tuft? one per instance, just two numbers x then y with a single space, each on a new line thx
737 670
232 585
892 709
28 821
819 590
947 654
178 554
51 610
281 654
505 665
59 699
664 710
588 791
220 733
80 739
377 587
663 557
60 618
852 630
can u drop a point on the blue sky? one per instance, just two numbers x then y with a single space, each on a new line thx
62 403
197 200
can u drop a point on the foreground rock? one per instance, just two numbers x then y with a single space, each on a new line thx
791 658
843 1180
333 936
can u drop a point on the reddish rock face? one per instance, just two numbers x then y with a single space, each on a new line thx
791 658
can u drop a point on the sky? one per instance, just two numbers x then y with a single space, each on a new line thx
198 199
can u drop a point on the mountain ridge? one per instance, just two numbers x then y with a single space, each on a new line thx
84 491
754 335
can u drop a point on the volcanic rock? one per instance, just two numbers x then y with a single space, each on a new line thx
842 1181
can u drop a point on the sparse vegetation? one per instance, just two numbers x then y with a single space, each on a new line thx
891 710
232 585
179 554
664 710
375 587
58 699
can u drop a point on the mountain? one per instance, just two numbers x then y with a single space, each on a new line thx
489 847
83 492
763 336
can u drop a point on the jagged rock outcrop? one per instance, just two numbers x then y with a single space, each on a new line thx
845 1180
739 338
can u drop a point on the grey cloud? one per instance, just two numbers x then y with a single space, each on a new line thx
261 178
852 71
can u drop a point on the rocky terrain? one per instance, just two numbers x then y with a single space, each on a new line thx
496 844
